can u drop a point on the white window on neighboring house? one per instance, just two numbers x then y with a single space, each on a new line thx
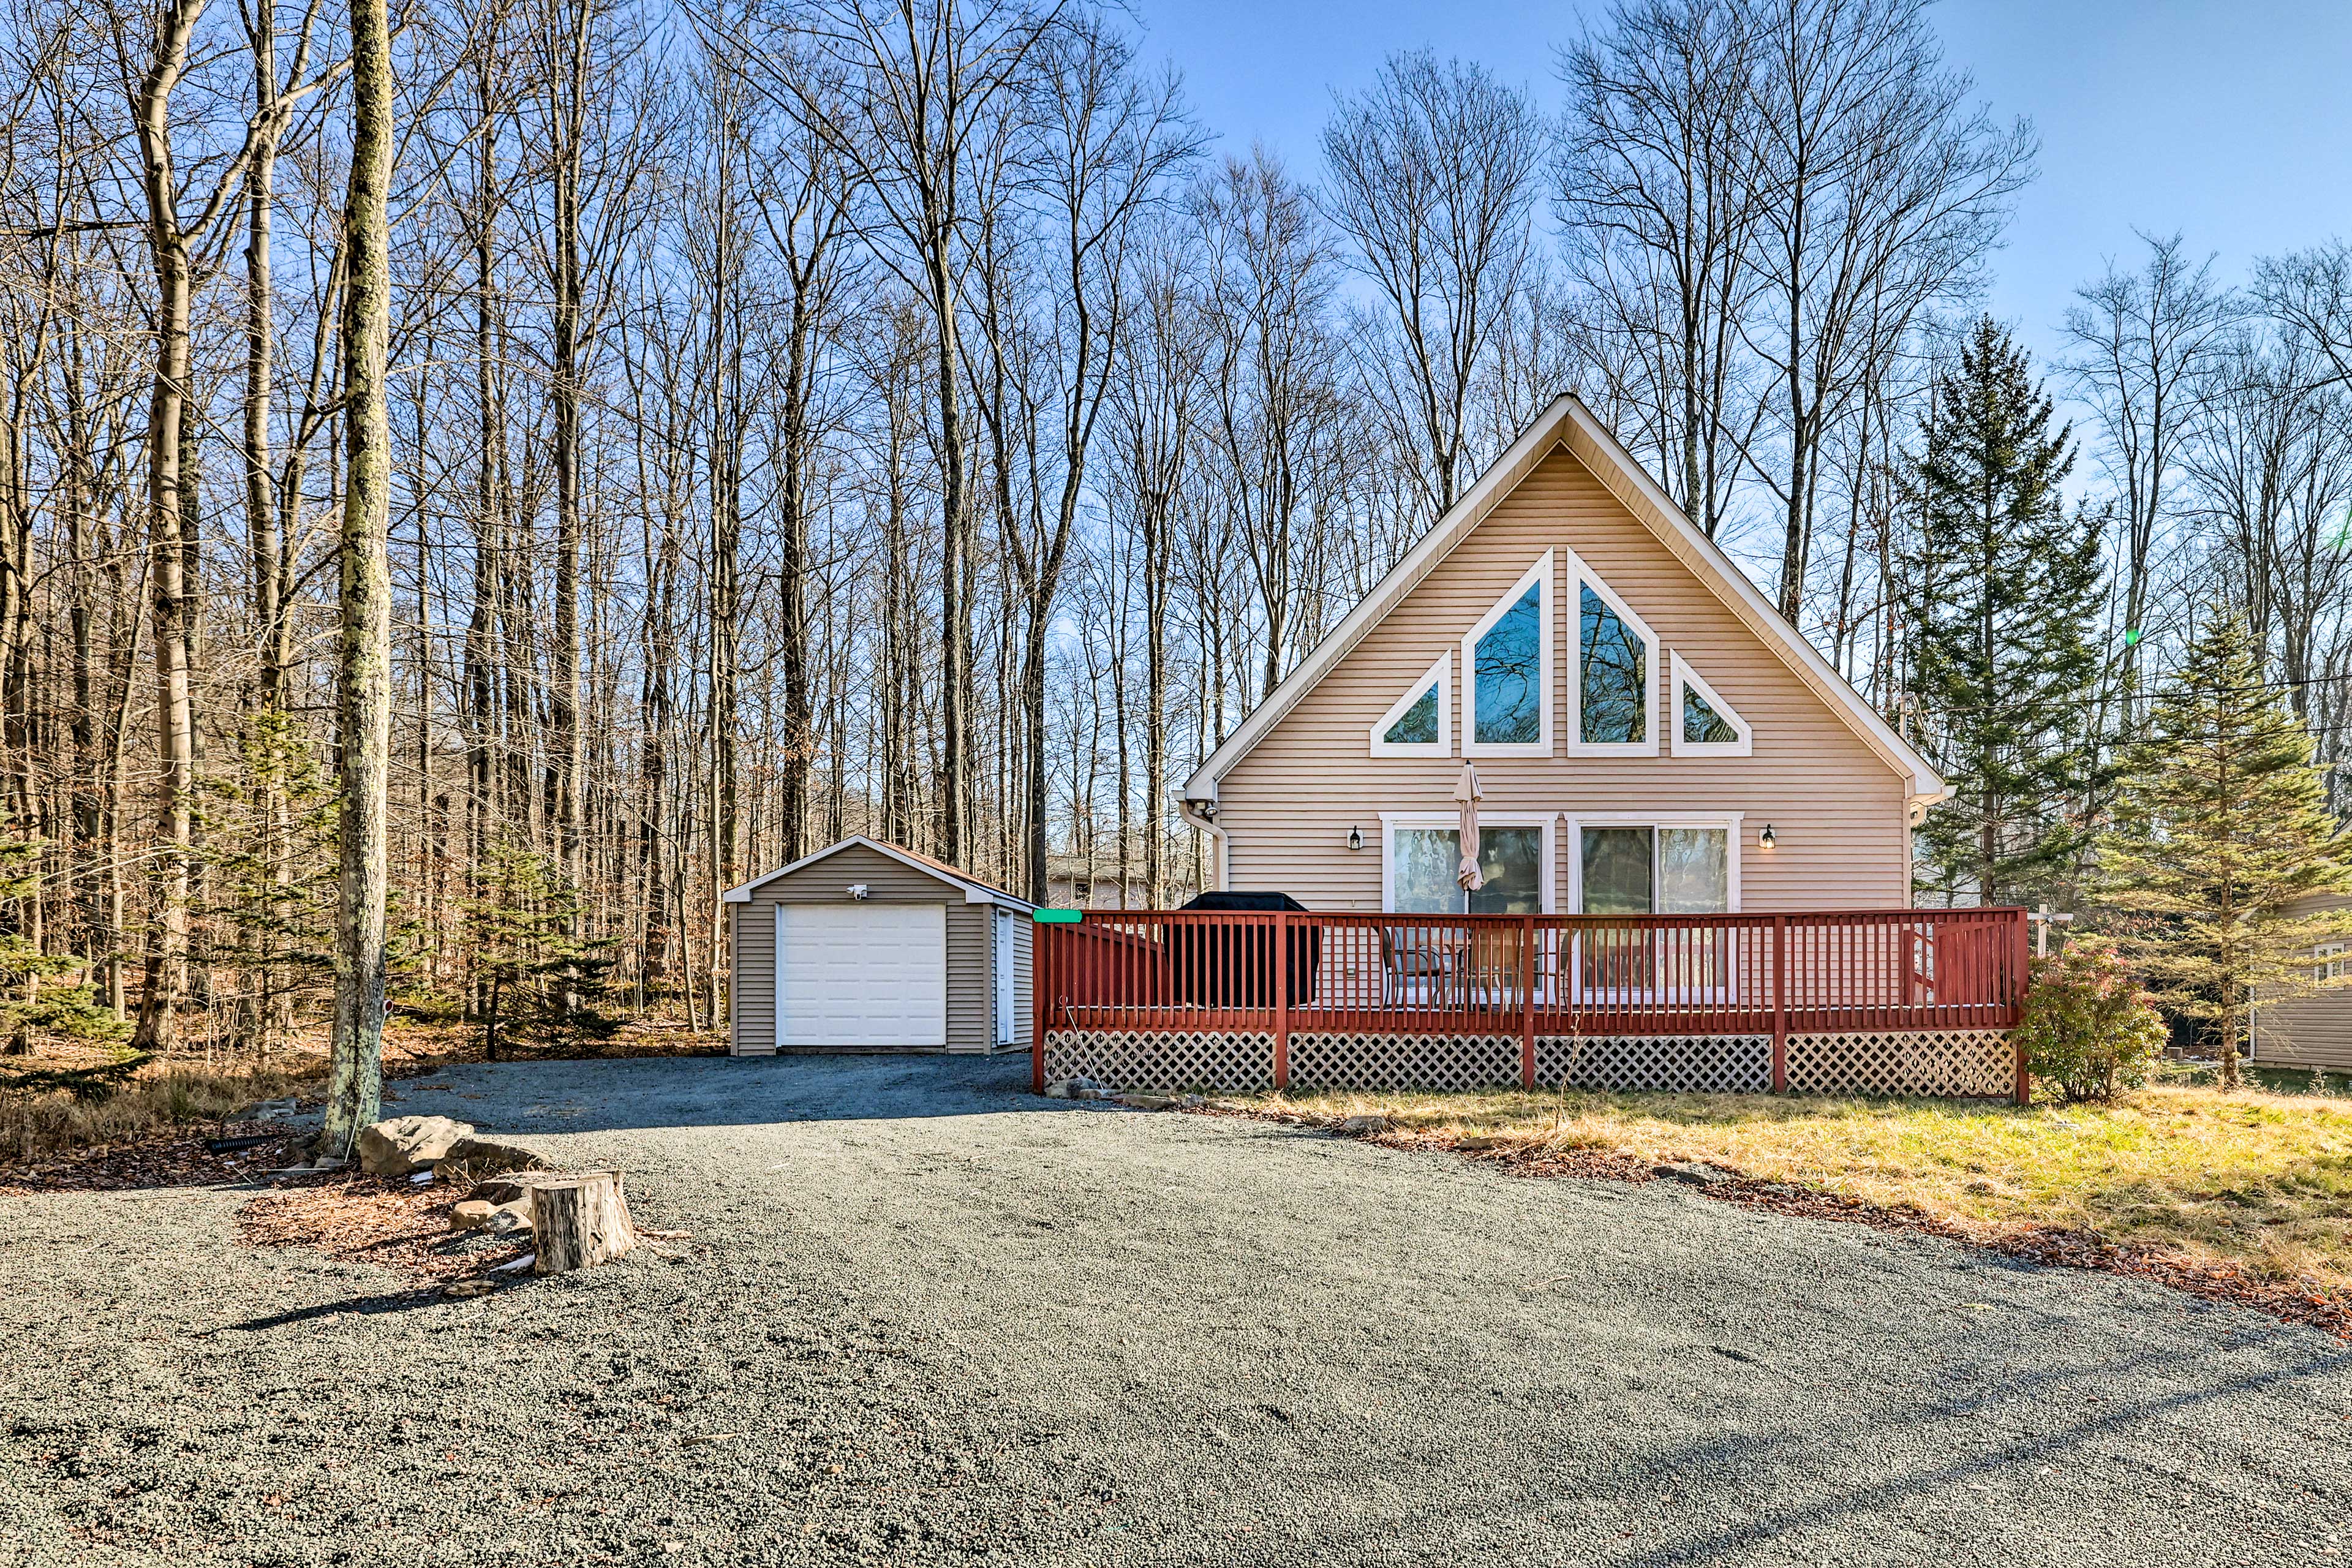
1507 672
1704 724
1613 683
1421 722
2332 964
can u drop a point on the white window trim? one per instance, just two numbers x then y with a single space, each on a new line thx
1729 823
1578 575
1541 573
1392 820
1685 676
1442 675
2331 963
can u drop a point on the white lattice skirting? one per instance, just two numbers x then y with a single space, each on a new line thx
1956 1063
1404 1061
1161 1060
1684 1064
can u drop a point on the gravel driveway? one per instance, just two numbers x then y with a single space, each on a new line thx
929 1318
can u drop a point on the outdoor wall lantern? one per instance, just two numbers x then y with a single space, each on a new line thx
1767 837
857 889
1355 839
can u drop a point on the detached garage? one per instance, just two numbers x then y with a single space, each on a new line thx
867 947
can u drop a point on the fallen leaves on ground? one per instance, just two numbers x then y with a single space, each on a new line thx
175 1159
388 1222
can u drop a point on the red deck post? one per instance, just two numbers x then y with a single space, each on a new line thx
2023 967
1281 1000
1041 946
1528 1001
1779 1003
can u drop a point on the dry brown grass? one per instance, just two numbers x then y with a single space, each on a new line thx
163 1096
2263 1181
200 1087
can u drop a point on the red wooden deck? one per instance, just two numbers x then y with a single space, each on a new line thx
1874 970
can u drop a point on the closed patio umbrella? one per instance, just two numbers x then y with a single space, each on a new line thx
1466 792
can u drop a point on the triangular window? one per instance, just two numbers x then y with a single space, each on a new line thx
1613 686
1705 724
1507 672
1421 722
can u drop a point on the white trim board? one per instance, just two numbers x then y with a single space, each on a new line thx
1566 422
974 892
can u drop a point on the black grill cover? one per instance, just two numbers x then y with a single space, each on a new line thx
1233 966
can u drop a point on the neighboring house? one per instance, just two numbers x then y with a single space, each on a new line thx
2313 1030
1650 736
1067 886
864 946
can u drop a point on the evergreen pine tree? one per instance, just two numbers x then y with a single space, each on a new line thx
35 996
2222 826
273 877
535 970
2001 588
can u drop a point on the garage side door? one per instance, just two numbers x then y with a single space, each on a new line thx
861 975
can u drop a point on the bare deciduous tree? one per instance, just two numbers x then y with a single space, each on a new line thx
1433 173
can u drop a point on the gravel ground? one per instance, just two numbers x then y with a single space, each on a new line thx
926 1317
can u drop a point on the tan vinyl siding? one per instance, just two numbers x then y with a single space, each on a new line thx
970 1001
886 881
1837 806
2313 1030
1024 997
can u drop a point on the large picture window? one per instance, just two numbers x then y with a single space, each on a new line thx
1424 859
1612 689
1507 672
1667 866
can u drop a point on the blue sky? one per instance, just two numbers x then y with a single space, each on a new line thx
2230 122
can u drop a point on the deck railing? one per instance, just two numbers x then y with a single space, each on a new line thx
1777 974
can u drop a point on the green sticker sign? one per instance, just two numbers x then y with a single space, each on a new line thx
1057 917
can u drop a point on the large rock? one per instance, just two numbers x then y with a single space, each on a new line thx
479 1213
473 1159
511 1188
399 1145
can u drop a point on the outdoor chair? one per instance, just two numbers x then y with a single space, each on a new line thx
1420 964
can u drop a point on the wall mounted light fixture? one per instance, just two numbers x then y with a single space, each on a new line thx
1355 839
1768 838
857 889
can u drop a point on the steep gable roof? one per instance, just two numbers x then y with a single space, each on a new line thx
975 892
1568 423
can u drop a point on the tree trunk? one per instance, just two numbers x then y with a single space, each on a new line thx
568 748
364 652
167 952
580 1221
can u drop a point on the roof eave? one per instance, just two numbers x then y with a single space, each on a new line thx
974 892
1501 478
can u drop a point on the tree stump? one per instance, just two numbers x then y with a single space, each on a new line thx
579 1221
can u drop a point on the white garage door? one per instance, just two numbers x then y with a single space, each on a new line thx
858 975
